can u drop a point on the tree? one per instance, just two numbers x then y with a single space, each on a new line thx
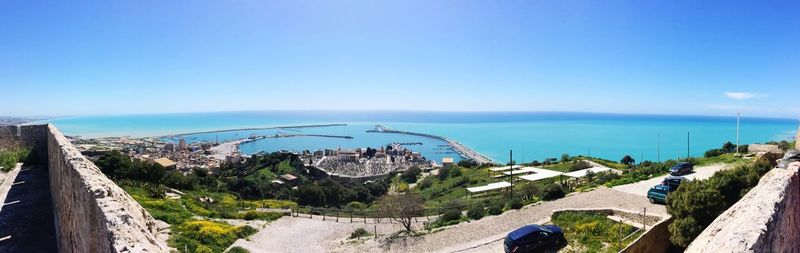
564 157
444 172
402 208
529 191
729 147
694 205
410 175
627 160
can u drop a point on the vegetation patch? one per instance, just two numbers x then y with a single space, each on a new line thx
359 232
10 157
697 203
207 236
586 232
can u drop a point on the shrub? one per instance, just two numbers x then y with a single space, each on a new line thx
459 182
455 172
10 157
444 172
553 191
360 232
697 203
201 235
607 176
450 215
411 175
237 249
203 249
495 208
476 212
530 190
564 157
714 152
426 182
515 204
355 205
402 187
255 215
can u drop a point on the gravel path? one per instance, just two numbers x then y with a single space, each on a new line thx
640 188
292 234
297 234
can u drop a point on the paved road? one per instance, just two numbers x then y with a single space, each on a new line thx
27 214
640 188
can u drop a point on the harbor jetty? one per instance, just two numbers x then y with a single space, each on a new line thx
254 129
282 135
464 151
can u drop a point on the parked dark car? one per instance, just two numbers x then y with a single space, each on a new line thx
673 182
681 169
658 194
534 238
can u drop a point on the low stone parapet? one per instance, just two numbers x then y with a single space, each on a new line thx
766 219
92 213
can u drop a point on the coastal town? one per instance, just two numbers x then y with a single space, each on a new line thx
368 162
177 153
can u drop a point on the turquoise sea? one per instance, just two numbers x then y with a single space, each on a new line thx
532 135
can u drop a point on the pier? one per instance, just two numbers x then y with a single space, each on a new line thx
464 151
310 135
254 129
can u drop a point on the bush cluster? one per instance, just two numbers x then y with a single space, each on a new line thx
553 191
359 232
697 203
211 236
476 212
10 157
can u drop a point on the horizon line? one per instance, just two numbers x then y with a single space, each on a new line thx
55 117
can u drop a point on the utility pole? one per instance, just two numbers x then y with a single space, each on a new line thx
658 155
687 145
738 115
511 166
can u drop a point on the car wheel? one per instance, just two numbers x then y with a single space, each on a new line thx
652 200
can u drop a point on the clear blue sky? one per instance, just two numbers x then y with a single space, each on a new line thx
661 57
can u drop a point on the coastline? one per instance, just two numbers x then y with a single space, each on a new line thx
231 147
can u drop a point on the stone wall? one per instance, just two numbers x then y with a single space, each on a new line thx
92 213
797 140
766 219
8 136
654 240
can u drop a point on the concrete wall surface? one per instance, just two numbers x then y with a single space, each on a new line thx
766 219
93 214
654 240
